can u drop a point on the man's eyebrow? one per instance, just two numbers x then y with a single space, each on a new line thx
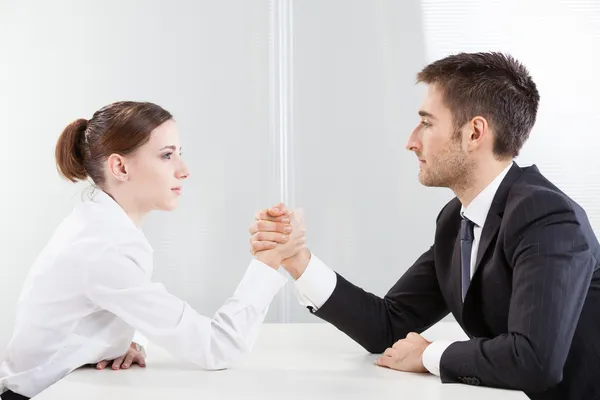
426 114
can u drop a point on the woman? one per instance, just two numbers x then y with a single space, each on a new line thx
89 290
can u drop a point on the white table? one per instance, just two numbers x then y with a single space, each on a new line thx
289 361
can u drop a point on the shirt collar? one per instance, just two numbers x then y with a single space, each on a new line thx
115 211
478 210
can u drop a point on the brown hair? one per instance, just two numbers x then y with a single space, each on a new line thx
118 128
492 85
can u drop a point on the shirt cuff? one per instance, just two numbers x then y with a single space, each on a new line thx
316 284
259 285
433 355
140 339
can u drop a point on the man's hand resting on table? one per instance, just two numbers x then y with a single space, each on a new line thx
406 354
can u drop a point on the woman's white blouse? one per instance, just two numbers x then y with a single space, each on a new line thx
89 291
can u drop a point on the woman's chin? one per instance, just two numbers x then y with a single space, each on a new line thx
169 205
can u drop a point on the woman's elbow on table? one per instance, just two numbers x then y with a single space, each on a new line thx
221 354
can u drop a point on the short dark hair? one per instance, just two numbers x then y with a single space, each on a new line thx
493 85
119 128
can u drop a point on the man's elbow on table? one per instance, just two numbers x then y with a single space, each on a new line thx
535 377
517 365
538 371
539 379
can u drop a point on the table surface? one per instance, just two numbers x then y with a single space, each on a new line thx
289 361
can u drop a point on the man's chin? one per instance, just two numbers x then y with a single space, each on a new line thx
424 179
428 181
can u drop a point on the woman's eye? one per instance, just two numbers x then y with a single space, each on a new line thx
167 156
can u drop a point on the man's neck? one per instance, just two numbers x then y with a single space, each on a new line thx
478 181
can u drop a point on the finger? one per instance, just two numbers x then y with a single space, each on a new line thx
398 344
277 210
279 214
271 214
389 352
128 360
102 364
140 360
384 362
117 363
262 246
251 248
269 226
413 336
263 214
270 237
253 228
285 218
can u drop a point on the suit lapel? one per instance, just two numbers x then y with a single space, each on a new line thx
494 219
489 234
490 231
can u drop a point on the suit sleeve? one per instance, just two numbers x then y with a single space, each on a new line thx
414 303
552 270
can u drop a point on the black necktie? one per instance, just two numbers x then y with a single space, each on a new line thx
466 244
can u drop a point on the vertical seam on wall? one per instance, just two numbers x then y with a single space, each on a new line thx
281 107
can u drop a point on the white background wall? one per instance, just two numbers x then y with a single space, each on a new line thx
353 104
205 61
559 41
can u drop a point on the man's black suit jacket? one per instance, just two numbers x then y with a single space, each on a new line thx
532 310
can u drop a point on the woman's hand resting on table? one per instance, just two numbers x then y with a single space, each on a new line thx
135 355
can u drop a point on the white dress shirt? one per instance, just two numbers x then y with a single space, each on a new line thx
317 283
89 291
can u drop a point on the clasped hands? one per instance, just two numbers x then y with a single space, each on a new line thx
278 238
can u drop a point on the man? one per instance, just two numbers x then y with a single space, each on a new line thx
514 259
